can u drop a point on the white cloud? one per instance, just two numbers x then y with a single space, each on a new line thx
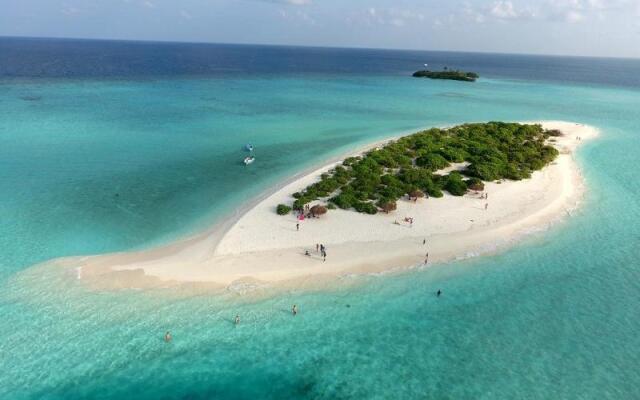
571 11
503 9
397 17
297 16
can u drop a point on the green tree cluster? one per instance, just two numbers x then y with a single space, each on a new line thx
450 74
493 150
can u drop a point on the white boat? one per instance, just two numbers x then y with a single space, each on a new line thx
249 160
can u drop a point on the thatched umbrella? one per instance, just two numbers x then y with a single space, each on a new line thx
415 194
389 206
318 210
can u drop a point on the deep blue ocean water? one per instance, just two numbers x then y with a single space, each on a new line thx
108 146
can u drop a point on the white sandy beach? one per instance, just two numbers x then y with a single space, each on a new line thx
263 247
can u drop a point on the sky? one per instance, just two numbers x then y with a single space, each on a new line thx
609 28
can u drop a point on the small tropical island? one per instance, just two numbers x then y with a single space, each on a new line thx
454 75
440 194
427 163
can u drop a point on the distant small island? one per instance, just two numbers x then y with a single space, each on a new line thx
454 75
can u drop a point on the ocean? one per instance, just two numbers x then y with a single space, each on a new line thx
112 146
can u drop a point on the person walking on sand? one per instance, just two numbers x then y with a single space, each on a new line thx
317 247
324 256
168 337
424 241
297 226
486 205
294 310
237 320
426 259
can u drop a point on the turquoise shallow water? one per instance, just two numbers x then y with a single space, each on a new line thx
102 165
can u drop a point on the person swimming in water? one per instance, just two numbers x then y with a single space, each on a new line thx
237 320
167 337
439 292
294 310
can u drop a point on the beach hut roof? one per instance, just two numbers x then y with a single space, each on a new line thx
318 210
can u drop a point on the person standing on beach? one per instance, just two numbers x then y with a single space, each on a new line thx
324 256
294 310
426 259
317 247
486 205
297 226
424 241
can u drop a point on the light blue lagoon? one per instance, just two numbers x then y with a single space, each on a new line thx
94 164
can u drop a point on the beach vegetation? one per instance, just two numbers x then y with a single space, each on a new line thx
283 209
447 74
454 184
492 151
475 184
387 205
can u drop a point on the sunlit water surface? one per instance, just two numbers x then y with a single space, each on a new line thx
118 160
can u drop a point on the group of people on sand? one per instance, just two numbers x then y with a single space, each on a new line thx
236 321
485 196
301 215
319 249
408 220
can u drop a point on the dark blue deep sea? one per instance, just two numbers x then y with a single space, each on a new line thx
112 146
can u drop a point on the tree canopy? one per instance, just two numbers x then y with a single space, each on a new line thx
378 178
454 75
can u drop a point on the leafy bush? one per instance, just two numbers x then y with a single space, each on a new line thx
432 162
387 205
283 209
475 184
455 185
365 207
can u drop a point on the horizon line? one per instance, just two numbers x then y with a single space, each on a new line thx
313 46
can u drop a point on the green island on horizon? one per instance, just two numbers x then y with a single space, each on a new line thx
413 166
449 74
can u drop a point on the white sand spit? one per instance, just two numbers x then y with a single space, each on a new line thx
261 246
